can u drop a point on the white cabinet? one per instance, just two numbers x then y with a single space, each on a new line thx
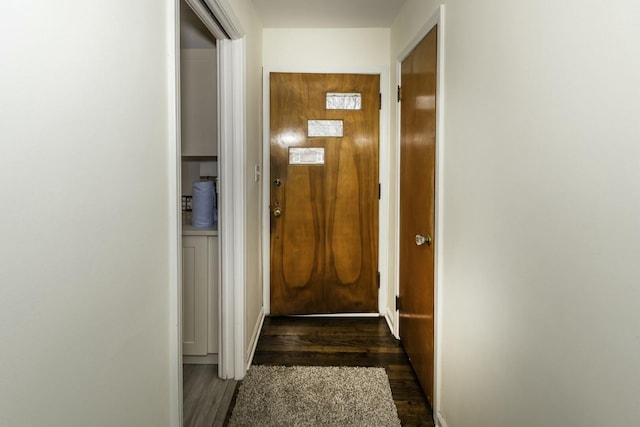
198 92
199 295
212 309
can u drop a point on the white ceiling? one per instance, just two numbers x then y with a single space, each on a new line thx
327 13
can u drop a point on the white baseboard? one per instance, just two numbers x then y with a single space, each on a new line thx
254 338
209 359
389 317
440 422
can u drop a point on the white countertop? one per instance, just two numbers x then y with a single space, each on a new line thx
190 230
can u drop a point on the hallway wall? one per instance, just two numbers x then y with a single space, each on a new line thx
252 27
85 224
325 49
540 274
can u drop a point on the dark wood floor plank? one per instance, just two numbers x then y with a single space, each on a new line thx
322 341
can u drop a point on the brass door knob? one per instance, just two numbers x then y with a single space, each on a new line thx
423 240
277 212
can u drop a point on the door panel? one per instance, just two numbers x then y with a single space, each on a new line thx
195 277
417 214
324 222
298 262
346 234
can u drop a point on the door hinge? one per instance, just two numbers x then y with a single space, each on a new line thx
397 302
399 93
380 101
378 279
379 191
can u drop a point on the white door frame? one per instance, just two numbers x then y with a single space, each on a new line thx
436 19
231 149
383 176
231 114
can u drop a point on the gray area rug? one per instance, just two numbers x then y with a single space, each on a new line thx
314 396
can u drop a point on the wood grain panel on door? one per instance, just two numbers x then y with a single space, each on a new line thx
324 244
417 199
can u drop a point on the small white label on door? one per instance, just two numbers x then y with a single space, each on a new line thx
306 156
326 128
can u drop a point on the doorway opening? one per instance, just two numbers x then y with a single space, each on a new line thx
199 179
201 382
209 53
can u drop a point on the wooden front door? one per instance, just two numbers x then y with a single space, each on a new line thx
417 213
324 193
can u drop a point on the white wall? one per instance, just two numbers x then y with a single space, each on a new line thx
84 252
302 49
541 307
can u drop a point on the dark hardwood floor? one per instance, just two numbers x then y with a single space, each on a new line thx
322 341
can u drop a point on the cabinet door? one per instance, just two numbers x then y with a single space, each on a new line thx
194 295
213 294
198 93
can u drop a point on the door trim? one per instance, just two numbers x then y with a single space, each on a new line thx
231 111
175 212
438 18
384 174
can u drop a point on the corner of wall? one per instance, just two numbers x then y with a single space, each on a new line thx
253 340
440 422
390 318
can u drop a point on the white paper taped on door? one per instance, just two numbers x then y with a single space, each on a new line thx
344 101
306 156
325 128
